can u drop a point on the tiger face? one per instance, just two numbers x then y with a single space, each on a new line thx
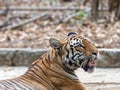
76 52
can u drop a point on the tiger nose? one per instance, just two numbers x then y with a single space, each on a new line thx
94 54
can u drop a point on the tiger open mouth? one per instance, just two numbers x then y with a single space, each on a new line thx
89 65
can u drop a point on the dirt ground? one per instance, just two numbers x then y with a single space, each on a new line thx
101 79
103 86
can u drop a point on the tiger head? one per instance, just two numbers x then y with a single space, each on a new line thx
75 52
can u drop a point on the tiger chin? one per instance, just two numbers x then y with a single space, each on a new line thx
54 70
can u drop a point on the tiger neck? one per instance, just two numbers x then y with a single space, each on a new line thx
58 62
47 67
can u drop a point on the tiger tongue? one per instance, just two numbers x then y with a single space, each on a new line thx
91 63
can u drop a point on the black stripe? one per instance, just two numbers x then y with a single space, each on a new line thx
70 63
41 69
30 74
20 87
34 77
23 83
37 79
57 72
9 83
40 77
4 84
67 56
49 57
72 50
75 55
35 64
80 62
32 65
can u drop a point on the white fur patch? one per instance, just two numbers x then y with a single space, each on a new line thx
76 42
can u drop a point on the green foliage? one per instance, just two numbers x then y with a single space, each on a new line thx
53 1
83 14
80 15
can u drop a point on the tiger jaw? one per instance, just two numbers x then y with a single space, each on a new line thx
89 65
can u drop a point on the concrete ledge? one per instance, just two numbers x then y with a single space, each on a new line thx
24 57
19 56
109 58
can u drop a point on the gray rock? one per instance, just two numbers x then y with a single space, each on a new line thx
108 58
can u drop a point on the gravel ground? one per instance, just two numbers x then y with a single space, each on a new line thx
101 79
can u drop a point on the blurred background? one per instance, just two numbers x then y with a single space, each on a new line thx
30 23
27 25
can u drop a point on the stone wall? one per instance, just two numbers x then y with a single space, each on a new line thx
24 57
19 57
109 58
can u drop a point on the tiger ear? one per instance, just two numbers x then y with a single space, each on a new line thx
70 34
54 43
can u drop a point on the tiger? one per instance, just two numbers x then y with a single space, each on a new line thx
55 69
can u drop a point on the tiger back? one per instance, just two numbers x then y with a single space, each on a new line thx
55 69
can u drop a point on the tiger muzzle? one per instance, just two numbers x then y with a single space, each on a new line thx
90 64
